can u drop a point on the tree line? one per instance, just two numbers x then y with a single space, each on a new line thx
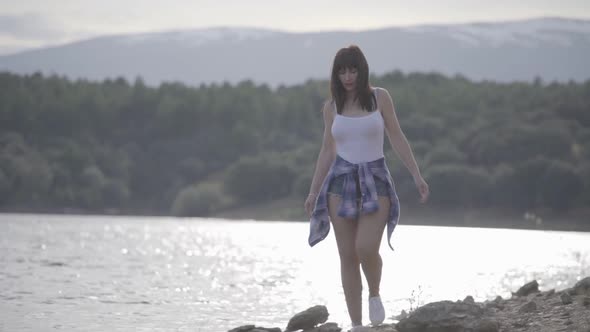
124 147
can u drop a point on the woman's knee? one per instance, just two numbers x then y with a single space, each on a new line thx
366 251
349 256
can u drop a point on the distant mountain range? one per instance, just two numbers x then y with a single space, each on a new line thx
550 48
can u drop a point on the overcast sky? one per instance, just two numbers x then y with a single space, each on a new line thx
35 23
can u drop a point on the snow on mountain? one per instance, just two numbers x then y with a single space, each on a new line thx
198 37
526 33
549 48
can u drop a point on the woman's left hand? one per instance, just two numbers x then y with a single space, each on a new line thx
422 187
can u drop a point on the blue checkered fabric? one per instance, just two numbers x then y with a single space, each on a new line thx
350 207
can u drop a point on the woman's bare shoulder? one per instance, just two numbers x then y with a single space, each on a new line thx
380 91
328 105
382 94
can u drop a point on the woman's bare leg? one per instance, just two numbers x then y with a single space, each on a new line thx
368 240
345 231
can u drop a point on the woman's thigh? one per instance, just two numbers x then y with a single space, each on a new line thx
345 229
371 226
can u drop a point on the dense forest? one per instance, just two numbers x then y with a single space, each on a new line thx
124 147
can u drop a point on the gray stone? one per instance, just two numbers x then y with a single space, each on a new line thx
243 328
519 323
401 316
308 319
487 325
582 287
566 298
531 287
550 293
498 303
385 328
328 327
586 301
442 316
253 328
469 299
528 307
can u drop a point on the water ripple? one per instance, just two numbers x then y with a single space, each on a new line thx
106 273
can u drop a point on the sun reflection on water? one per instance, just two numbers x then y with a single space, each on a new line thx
218 274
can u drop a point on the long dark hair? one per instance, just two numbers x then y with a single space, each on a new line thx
352 57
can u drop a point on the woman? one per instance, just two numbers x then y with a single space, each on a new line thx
352 186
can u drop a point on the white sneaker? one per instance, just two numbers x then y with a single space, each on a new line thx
376 310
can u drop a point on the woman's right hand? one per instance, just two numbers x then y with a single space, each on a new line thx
310 203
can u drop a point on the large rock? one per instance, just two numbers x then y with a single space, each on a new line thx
308 319
582 287
384 328
447 316
328 327
566 298
531 287
530 306
252 328
243 328
497 303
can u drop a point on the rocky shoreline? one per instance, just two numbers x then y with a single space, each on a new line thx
527 310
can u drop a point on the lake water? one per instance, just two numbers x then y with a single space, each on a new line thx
95 273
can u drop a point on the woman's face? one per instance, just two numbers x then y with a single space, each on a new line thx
347 77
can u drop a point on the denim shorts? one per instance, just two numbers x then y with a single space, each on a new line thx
336 187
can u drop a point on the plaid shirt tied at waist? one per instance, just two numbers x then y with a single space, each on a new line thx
350 208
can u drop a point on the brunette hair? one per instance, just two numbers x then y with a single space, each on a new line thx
352 57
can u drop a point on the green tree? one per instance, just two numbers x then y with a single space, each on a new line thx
258 179
458 186
560 186
196 201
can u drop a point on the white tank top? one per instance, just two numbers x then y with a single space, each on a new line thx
359 139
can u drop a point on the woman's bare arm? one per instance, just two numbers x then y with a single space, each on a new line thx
394 132
400 143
